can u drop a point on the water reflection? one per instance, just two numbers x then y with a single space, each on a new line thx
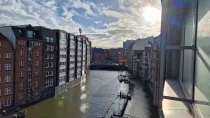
90 99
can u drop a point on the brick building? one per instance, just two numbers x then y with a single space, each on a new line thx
28 58
6 73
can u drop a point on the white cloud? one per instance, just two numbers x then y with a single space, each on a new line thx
130 24
30 12
84 5
98 22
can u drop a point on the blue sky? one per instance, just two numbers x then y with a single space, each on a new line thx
107 23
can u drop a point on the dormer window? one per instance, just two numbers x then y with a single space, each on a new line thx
30 34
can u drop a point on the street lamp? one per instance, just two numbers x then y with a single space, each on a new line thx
80 31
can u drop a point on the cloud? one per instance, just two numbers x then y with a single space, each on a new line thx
31 12
106 25
98 22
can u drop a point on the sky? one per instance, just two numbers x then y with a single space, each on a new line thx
107 23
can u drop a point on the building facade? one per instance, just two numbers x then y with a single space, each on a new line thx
48 36
71 60
28 51
79 55
7 73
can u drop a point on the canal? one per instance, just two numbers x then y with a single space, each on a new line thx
95 95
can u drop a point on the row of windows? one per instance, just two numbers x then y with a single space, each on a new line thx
21 63
48 83
49 39
36 73
62 79
63 49
30 53
62 63
21 43
62 56
48 73
62 70
49 65
49 56
37 44
49 48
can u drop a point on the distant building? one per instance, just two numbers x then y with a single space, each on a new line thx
98 55
136 59
127 43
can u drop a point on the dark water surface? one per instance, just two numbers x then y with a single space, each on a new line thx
91 99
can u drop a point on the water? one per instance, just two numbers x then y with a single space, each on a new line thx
91 99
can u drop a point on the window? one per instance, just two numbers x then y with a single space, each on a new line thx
29 74
30 34
51 82
36 83
51 39
21 52
51 73
7 91
47 39
47 73
35 92
47 56
20 96
52 56
29 85
202 74
47 47
7 55
47 65
46 83
21 63
37 63
7 67
36 73
29 53
21 86
51 48
21 74
7 78
37 53
51 64
7 103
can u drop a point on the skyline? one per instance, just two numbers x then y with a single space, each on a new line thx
106 23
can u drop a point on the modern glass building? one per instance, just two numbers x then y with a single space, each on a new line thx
185 58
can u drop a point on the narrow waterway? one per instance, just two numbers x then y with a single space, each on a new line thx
91 99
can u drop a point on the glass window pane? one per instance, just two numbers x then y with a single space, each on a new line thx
202 83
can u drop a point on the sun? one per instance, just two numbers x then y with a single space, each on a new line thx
151 13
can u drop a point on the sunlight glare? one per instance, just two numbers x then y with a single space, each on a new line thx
151 14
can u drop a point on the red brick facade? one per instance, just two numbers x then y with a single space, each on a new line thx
21 71
6 48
